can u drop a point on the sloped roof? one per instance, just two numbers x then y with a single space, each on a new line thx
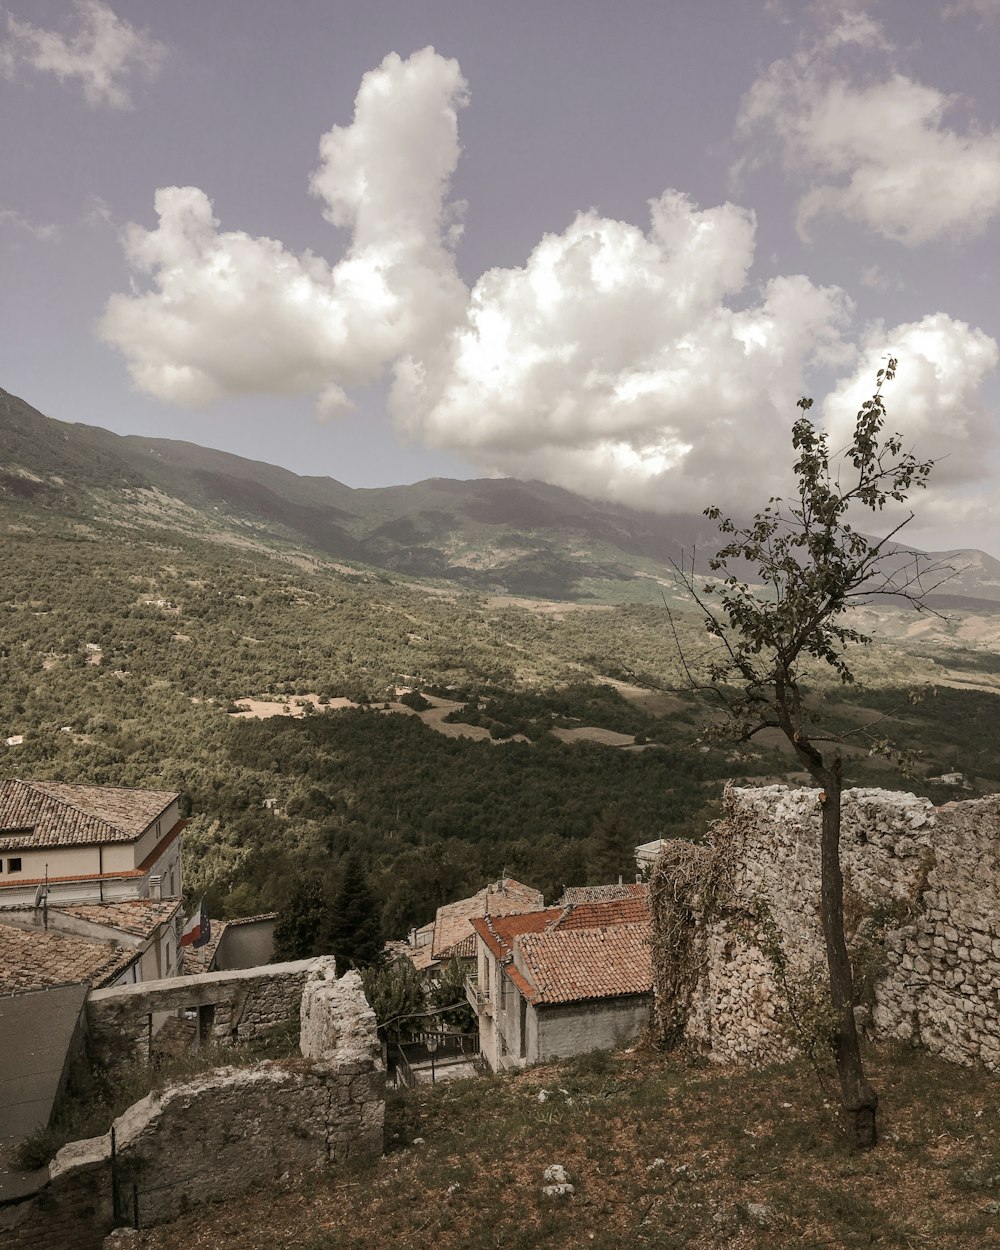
574 894
632 910
54 813
499 932
570 965
453 922
33 959
575 953
139 917
36 1032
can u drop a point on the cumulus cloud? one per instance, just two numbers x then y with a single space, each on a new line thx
632 363
613 364
876 147
231 314
936 403
99 54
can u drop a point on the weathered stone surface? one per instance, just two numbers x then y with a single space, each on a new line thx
225 1131
243 1004
936 869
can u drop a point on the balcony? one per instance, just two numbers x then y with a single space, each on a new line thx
479 1001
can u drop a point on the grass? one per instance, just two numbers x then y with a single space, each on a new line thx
663 1151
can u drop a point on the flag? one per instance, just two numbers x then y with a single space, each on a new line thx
198 929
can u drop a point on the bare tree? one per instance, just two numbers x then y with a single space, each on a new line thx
811 565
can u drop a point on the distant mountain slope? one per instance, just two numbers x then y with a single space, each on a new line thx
499 534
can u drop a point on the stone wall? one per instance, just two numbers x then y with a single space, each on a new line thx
231 1006
225 1132
922 907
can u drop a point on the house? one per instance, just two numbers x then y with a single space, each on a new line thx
87 844
450 934
564 980
117 943
645 855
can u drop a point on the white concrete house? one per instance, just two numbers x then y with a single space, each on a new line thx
559 982
90 844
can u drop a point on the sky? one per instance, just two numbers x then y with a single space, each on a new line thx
608 245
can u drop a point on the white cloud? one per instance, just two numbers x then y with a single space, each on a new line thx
876 148
101 52
230 314
627 363
935 402
45 232
612 363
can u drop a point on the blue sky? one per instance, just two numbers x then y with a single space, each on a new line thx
607 245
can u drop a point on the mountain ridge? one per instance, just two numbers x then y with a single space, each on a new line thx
491 534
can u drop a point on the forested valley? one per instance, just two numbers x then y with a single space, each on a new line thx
123 658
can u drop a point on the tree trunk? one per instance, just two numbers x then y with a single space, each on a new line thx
859 1099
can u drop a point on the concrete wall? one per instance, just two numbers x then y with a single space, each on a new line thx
225 1132
922 905
246 944
557 1032
246 1003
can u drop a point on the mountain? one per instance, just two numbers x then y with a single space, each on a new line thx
492 534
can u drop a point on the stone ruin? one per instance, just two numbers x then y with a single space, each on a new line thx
738 941
223 1132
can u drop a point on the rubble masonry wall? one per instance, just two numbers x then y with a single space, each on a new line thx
227 1131
923 884
246 1003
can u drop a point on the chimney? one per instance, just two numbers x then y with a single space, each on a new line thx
154 886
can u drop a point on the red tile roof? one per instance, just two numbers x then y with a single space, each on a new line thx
634 910
575 953
571 965
53 813
499 932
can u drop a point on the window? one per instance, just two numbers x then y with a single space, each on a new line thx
14 865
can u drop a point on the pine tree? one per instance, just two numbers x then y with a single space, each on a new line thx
353 934
298 933
612 842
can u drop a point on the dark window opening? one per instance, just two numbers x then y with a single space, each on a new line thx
13 865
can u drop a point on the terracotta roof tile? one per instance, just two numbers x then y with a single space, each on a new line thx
574 953
33 959
53 813
453 922
575 894
137 916
633 910
570 965
498 932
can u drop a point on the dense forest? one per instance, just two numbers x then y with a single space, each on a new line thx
122 657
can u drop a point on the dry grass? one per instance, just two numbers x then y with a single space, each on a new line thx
663 1152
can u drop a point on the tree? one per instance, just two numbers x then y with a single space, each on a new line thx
810 565
448 996
353 934
299 928
612 847
396 995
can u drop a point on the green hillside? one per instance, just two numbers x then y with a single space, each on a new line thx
135 614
